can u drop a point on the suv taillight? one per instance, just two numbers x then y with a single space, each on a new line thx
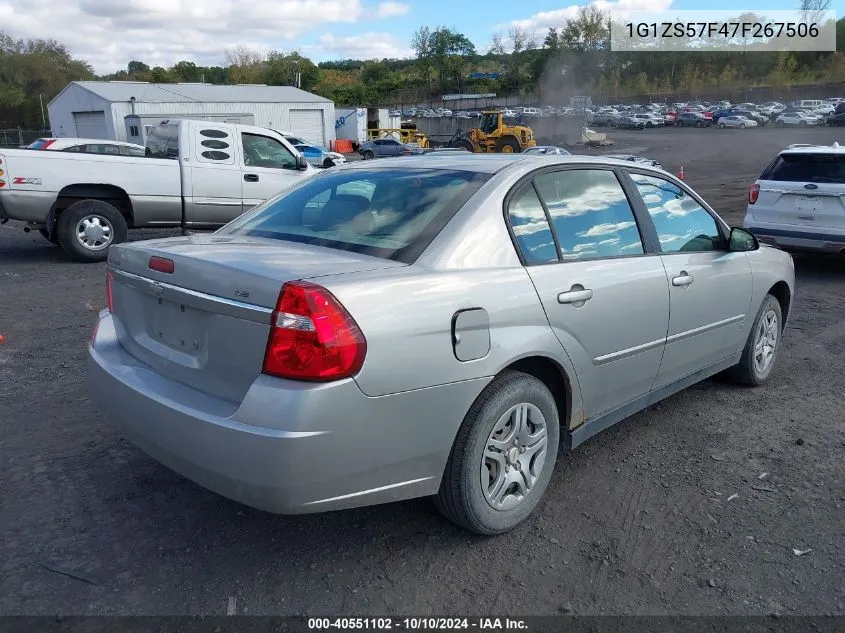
312 336
753 193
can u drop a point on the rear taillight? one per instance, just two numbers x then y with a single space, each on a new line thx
753 193
312 336
109 301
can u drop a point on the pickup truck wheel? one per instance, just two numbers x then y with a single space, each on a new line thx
87 228
54 239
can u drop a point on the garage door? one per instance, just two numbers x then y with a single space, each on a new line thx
90 124
308 125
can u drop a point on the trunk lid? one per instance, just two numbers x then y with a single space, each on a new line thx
206 324
803 189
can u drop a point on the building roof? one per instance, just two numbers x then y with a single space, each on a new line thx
116 91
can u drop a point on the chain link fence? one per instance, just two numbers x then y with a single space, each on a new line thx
17 137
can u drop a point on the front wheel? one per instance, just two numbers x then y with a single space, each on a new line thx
802 124
368 155
503 456
722 125
698 124
760 352
742 126
87 229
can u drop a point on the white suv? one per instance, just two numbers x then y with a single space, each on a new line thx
799 200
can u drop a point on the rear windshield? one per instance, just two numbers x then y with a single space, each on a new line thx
388 213
807 168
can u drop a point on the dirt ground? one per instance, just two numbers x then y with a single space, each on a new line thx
637 521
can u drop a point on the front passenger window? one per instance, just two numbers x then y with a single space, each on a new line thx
682 224
263 151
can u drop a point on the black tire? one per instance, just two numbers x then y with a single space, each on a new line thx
722 125
328 163
742 126
466 144
802 124
698 124
504 143
106 213
368 155
53 239
461 498
746 372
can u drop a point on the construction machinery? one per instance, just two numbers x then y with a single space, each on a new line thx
406 134
495 135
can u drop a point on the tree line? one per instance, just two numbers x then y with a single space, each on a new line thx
574 58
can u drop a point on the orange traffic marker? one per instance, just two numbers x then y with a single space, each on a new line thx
681 173
2 338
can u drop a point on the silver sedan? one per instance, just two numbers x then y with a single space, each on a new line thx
442 326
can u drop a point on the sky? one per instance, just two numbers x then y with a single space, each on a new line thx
109 33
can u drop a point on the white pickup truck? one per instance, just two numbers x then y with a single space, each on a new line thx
196 175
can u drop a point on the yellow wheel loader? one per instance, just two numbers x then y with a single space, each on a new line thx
494 135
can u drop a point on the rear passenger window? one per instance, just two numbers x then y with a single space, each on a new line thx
807 168
531 229
590 214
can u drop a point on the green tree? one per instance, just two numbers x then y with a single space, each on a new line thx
281 69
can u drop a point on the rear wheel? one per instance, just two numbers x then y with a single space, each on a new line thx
722 125
507 146
742 126
328 163
503 456
698 124
760 352
86 229
802 124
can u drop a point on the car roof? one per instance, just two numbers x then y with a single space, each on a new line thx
485 163
809 148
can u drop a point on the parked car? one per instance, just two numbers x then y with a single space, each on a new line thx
354 342
633 158
88 146
838 117
799 200
462 114
771 108
736 121
232 168
630 122
605 117
549 150
394 113
799 118
693 119
384 147
649 120
825 109
320 157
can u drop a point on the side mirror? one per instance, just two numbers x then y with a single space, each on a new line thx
301 163
741 240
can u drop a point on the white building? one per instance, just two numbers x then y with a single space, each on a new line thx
125 110
352 123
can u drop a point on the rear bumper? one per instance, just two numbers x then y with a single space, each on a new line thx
816 240
289 447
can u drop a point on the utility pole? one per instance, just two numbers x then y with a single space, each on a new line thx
43 116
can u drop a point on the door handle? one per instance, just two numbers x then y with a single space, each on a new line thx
684 279
576 294
251 177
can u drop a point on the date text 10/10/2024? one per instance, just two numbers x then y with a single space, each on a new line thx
417 624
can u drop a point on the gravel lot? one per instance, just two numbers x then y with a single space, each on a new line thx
637 520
